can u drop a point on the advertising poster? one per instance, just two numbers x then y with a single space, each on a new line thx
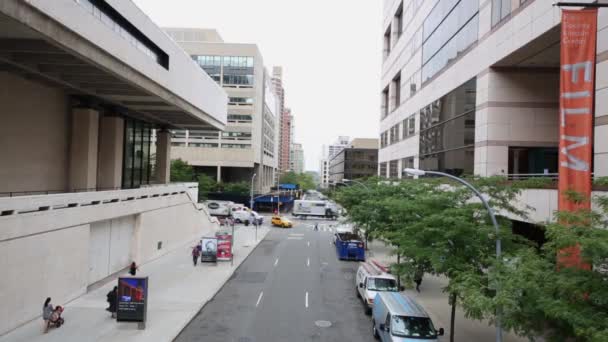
209 252
224 247
132 299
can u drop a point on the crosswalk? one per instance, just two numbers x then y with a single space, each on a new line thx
323 228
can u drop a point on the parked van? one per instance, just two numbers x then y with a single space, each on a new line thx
398 318
246 216
372 278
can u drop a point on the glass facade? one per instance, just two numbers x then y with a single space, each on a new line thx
500 10
450 28
447 132
228 70
382 169
137 157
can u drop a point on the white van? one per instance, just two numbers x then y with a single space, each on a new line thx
246 216
398 318
372 278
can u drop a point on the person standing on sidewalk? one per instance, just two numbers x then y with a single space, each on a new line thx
111 298
47 311
418 278
196 252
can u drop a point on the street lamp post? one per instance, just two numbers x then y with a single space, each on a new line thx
417 172
251 205
355 181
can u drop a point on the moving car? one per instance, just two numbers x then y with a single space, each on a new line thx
282 222
371 279
398 318
246 216
349 246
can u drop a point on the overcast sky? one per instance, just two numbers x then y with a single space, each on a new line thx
330 51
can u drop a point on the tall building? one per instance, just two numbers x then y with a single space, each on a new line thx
324 173
91 84
284 121
472 87
358 160
249 144
297 158
335 148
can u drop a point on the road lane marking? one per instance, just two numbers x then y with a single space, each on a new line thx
308 243
276 262
294 234
295 238
308 262
259 299
306 299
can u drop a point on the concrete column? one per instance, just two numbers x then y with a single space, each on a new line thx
111 141
83 149
163 157
219 174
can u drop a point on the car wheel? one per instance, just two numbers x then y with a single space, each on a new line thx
358 294
368 310
237 221
375 331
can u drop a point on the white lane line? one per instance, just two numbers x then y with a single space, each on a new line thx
259 299
306 299
295 238
308 243
308 262
296 234
276 262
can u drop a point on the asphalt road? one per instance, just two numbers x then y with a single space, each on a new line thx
289 286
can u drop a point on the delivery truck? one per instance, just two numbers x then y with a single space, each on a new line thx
321 209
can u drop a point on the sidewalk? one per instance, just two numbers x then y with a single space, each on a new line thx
435 301
177 292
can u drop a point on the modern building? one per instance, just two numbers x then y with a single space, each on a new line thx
335 148
324 168
86 87
472 87
358 160
297 158
250 142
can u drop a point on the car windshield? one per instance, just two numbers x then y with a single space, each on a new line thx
381 284
413 327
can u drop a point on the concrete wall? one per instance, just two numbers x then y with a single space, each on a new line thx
35 136
59 252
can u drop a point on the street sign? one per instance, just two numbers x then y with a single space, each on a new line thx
209 249
132 300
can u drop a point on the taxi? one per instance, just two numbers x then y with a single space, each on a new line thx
282 222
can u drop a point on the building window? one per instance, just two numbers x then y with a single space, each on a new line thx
447 132
387 42
236 146
385 103
399 21
450 28
407 163
394 134
397 90
127 31
212 66
500 10
393 169
238 71
411 127
239 118
236 135
137 163
382 170
240 101
535 160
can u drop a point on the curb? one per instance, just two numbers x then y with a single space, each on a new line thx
217 290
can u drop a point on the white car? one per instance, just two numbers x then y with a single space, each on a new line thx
370 280
247 217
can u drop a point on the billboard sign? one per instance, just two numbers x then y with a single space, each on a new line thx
224 247
132 299
209 249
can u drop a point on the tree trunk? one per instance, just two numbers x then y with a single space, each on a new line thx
398 272
453 317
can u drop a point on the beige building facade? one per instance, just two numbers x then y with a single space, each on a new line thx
249 143
472 87
86 88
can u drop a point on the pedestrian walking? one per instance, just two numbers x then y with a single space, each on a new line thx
133 268
418 278
316 226
111 298
196 252
47 311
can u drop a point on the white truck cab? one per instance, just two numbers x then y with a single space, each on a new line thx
371 278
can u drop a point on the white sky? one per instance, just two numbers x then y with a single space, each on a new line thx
330 51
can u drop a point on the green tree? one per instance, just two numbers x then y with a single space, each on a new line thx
206 184
304 180
181 171
238 188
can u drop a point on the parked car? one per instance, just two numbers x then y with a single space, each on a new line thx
371 279
398 318
282 222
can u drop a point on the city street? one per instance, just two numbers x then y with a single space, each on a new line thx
290 288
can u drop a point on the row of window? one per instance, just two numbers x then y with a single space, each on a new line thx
393 167
392 136
240 101
121 26
226 61
228 70
402 19
211 145
239 118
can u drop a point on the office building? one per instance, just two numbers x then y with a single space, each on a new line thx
86 87
335 148
250 142
356 161
297 158
284 119
472 87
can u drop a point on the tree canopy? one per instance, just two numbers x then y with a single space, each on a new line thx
440 227
304 180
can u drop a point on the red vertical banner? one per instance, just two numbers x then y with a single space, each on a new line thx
577 93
